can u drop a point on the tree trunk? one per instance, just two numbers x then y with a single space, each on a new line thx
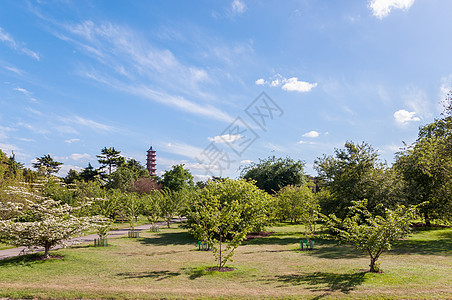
427 219
220 254
46 250
168 222
372 264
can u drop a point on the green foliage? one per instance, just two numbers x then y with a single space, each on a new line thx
224 212
173 203
426 167
354 174
369 233
298 204
152 206
272 174
110 158
177 178
47 165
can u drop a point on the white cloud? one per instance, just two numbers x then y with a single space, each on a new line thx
7 148
260 81
305 142
382 8
311 134
238 7
293 84
65 169
78 156
9 40
226 138
70 141
183 149
402 116
22 90
197 177
275 82
246 161
14 70
84 122
288 84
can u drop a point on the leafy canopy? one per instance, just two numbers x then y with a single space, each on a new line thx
272 174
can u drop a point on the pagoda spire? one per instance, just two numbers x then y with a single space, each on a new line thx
151 161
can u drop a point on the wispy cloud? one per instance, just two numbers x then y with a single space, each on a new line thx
238 7
382 8
137 67
14 70
78 156
87 123
182 149
6 38
70 141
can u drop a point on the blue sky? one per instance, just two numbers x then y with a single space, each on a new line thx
76 76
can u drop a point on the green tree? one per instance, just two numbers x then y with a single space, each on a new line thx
173 203
349 176
152 204
369 233
426 167
272 174
177 178
110 158
224 212
47 164
127 174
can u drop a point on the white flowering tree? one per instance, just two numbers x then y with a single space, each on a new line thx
45 224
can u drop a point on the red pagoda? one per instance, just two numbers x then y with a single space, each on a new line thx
150 162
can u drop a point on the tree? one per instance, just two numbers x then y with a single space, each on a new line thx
47 164
370 233
272 174
426 168
152 204
46 224
173 202
224 212
177 178
349 176
127 174
110 158
89 174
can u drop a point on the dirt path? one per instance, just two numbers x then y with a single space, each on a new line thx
82 239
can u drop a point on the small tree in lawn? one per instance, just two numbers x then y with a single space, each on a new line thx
46 224
172 203
152 207
223 213
369 233
299 204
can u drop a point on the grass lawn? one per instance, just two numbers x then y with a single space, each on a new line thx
167 265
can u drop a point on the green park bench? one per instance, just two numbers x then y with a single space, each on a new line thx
307 244
203 246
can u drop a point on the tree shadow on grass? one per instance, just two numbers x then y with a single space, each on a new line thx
325 282
337 251
157 275
441 246
169 238
27 259
197 272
